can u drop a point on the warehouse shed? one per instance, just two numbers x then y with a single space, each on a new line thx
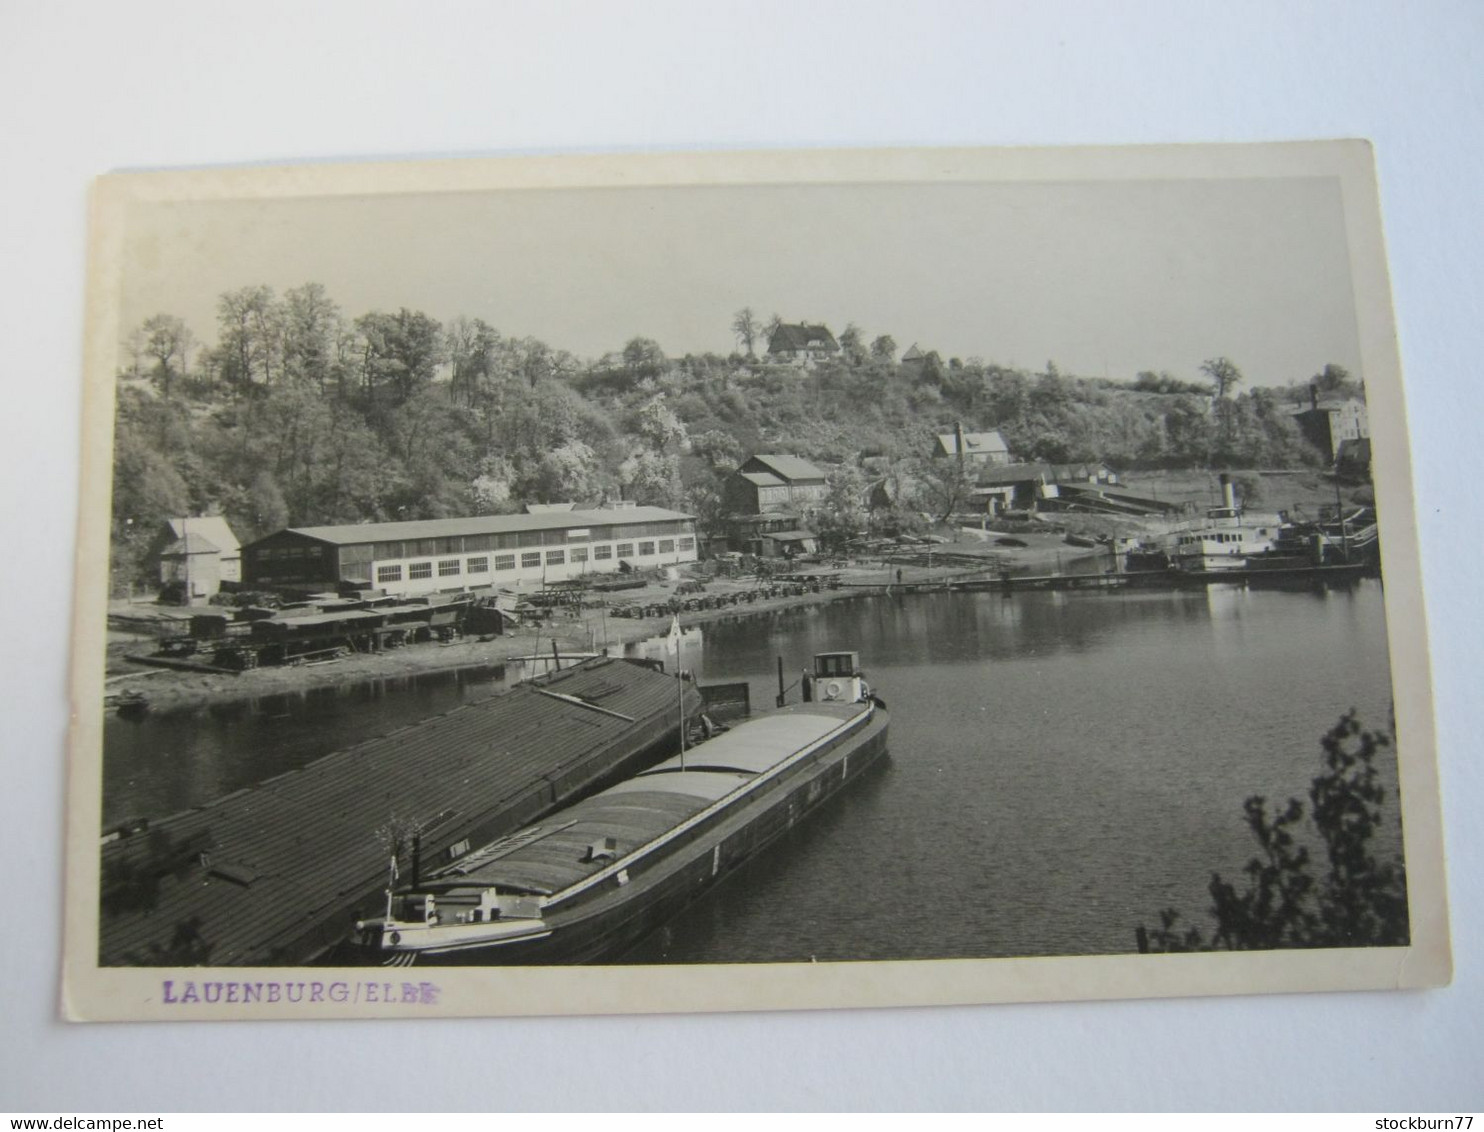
456 555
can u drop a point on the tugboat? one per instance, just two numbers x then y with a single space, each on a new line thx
594 878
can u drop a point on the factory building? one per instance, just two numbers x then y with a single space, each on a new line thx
453 555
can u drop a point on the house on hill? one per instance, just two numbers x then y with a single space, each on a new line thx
801 344
197 554
979 447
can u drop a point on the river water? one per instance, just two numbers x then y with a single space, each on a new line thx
1062 767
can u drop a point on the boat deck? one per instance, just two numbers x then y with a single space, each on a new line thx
274 873
587 837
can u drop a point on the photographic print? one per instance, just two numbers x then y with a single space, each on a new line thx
740 581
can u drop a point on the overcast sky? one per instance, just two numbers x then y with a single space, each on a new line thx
1103 278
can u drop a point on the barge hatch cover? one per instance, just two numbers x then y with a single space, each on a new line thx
309 838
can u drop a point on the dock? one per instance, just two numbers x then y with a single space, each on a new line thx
277 873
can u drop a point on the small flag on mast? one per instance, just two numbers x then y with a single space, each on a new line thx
672 642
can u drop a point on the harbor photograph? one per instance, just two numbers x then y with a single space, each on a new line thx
772 570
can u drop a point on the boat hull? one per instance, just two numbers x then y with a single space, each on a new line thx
606 926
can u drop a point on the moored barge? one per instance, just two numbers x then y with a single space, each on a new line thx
593 879
276 873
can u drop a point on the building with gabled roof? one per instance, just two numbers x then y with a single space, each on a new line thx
987 447
772 495
792 470
454 555
196 553
802 344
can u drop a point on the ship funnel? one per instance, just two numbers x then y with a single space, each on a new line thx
1228 492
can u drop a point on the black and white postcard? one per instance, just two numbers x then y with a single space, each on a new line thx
746 581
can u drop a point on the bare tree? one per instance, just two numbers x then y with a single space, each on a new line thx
1225 374
746 327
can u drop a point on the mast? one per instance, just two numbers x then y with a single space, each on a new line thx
673 642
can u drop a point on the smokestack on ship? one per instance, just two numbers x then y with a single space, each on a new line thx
1228 492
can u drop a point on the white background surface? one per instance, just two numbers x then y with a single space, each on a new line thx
87 89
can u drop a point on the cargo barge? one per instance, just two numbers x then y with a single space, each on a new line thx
279 872
593 879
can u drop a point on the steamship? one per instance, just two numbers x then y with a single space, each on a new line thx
1224 540
591 880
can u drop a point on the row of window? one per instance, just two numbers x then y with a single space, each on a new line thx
434 547
530 560
274 553
514 540
1189 540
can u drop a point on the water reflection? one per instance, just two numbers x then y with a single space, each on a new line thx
1063 765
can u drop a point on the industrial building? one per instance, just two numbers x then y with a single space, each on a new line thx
454 555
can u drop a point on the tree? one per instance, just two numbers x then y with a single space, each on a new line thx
1226 376
720 449
168 340
1359 900
842 515
652 478
248 337
660 428
311 333
400 354
942 486
643 358
884 348
853 345
566 474
471 345
1335 381
747 328
1224 372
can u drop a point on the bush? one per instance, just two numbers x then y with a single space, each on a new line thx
1359 901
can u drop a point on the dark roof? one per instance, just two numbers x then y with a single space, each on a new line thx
801 336
762 479
299 850
1329 406
790 469
990 441
913 354
355 533
1021 473
790 536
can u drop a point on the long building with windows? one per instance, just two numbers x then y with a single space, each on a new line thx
454 555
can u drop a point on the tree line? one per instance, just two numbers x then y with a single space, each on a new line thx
297 414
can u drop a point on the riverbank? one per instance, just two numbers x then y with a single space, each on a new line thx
590 630
585 631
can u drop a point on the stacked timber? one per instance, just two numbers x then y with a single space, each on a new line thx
278 873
